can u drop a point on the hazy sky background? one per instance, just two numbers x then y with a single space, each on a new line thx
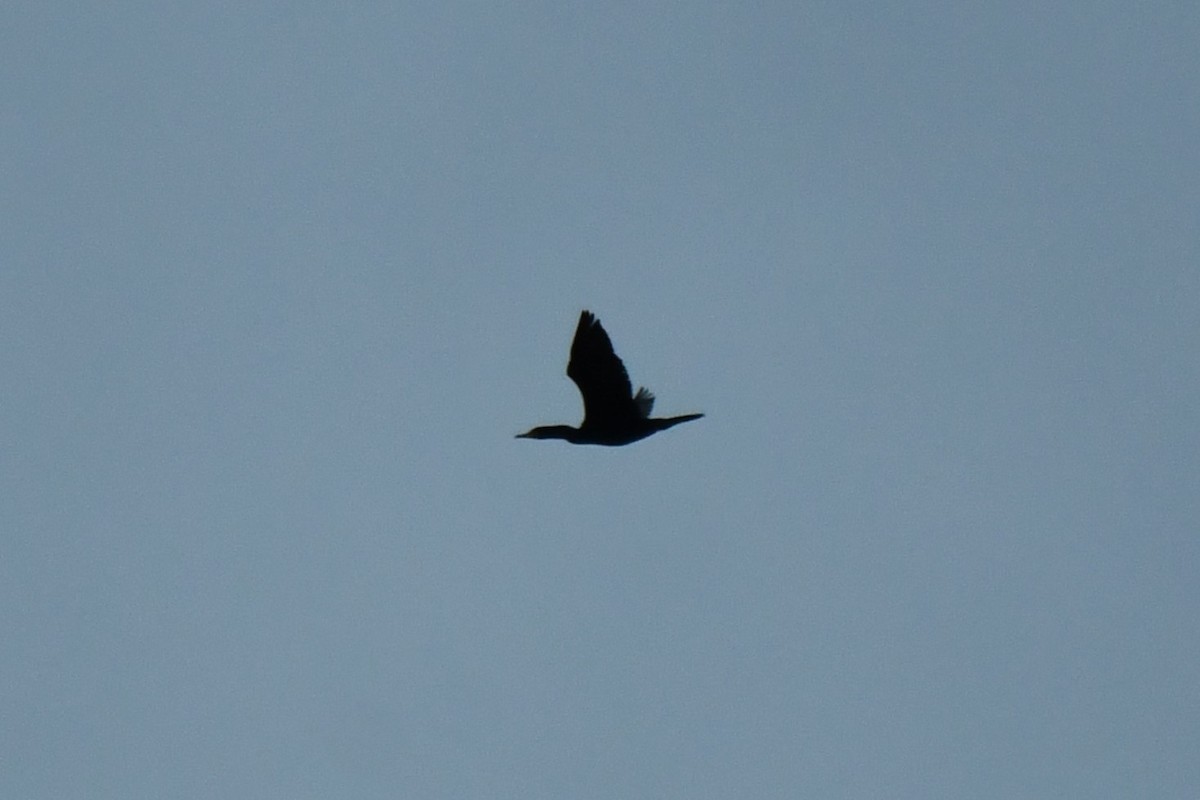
280 282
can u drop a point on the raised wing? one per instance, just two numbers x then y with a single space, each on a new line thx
599 374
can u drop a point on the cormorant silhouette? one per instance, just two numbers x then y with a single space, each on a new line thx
612 414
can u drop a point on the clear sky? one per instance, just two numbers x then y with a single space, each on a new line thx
280 282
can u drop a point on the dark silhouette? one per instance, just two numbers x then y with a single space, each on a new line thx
612 414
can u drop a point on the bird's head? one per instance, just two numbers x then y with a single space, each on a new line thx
550 432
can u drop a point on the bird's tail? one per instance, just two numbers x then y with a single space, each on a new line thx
669 422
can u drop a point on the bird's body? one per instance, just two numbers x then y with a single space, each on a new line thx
612 414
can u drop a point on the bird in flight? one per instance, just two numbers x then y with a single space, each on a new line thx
612 414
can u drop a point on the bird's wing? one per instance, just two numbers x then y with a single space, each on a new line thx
599 374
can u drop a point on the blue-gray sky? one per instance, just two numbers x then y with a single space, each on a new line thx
279 283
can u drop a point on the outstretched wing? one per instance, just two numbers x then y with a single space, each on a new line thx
599 374
643 401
